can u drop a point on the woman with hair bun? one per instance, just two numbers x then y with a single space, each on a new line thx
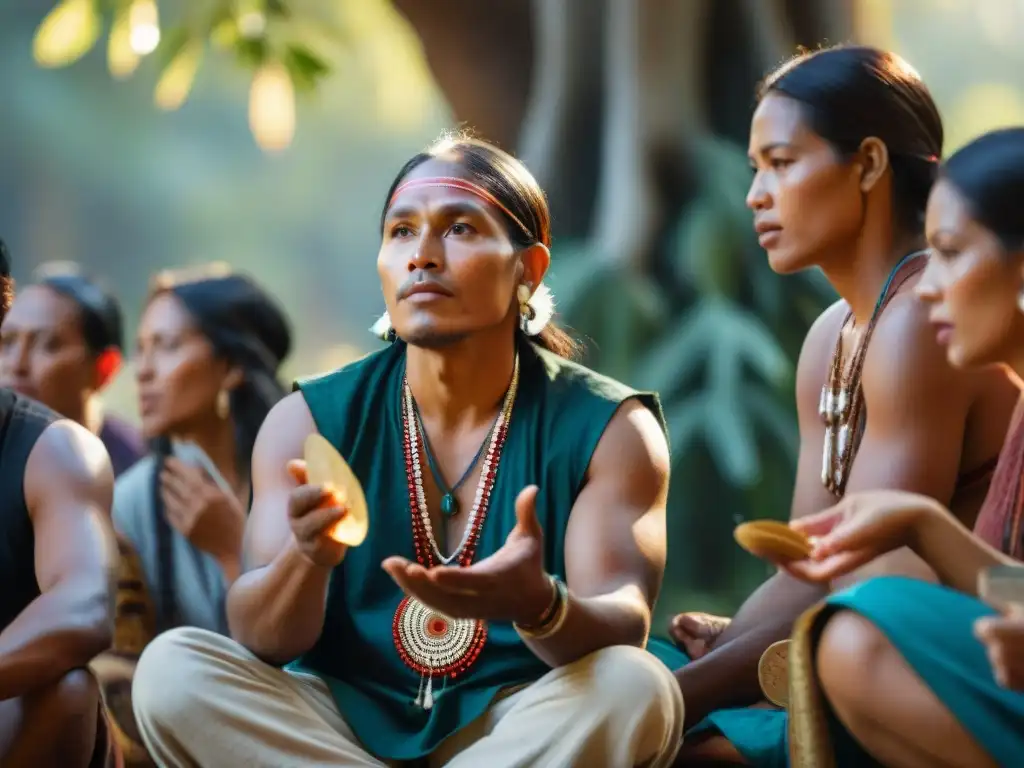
920 674
845 145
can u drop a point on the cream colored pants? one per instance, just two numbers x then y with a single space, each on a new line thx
203 700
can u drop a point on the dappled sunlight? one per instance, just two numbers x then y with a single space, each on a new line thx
392 53
1002 22
67 33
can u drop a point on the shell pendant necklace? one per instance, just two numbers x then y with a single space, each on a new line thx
431 644
841 404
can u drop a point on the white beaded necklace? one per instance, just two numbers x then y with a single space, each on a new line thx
483 487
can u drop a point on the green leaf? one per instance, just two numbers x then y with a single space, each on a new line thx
679 353
731 439
305 67
754 343
251 53
113 6
178 77
766 409
278 8
685 422
574 270
67 33
224 34
705 248
724 335
172 42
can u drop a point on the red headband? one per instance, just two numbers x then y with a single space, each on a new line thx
466 186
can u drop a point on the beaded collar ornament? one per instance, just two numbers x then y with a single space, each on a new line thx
428 642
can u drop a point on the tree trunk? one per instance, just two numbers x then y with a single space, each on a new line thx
481 54
560 139
652 111
636 122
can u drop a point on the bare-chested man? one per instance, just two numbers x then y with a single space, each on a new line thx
57 561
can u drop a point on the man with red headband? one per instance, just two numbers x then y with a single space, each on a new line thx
57 561
496 613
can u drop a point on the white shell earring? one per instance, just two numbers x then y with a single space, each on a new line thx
536 308
383 329
526 312
523 294
1020 299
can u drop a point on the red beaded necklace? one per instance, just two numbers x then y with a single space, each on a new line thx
428 642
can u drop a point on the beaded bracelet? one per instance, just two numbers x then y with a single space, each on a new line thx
549 627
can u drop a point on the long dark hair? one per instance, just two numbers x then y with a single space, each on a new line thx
989 175
849 93
514 186
246 328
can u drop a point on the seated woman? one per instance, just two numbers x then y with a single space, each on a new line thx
844 143
911 673
62 345
208 352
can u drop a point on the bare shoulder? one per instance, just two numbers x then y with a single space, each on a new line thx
904 355
633 445
68 460
281 439
816 352
282 434
823 331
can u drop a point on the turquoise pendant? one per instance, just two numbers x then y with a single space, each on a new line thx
449 505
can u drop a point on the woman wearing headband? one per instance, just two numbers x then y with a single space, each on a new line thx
61 344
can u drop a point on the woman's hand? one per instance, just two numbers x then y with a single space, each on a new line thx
1003 637
198 508
858 529
510 585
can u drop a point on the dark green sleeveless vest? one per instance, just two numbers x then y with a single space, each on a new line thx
559 416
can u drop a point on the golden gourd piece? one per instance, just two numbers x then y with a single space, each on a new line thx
772 540
773 673
325 466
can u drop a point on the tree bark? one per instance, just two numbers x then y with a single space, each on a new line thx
652 111
481 54
560 139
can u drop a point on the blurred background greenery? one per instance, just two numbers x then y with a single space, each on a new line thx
265 133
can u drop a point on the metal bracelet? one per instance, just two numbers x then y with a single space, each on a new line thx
557 620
